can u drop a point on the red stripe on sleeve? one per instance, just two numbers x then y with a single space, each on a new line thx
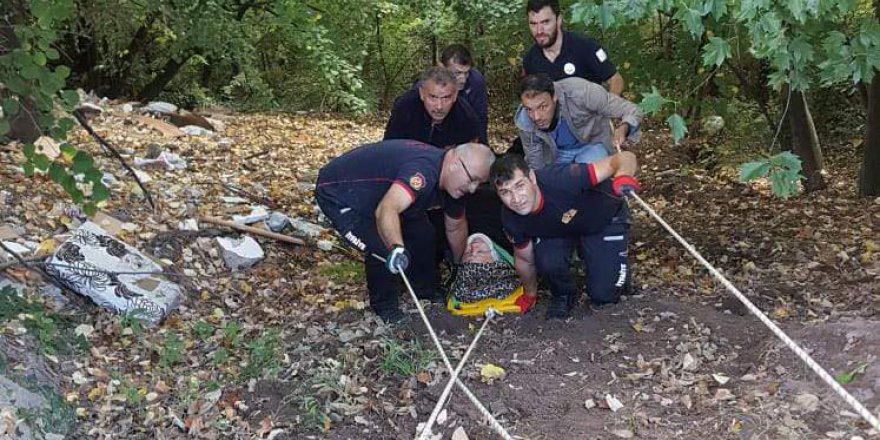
592 171
406 187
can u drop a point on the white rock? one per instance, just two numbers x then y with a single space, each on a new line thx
305 228
127 108
688 363
258 214
240 253
195 130
160 107
589 404
720 378
325 245
613 404
459 434
623 433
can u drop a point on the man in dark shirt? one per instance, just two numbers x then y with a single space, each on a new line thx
377 197
562 54
432 113
471 84
553 211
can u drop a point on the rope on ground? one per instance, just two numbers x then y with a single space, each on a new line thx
485 412
803 355
441 402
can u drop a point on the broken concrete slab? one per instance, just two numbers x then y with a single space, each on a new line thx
114 275
240 253
305 227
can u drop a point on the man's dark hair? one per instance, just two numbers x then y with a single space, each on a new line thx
535 84
505 167
456 52
536 6
440 75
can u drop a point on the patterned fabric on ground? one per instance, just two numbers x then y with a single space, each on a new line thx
478 281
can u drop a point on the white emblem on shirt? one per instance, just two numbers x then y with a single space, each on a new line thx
601 55
568 68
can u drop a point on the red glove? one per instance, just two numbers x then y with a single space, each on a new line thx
624 185
525 302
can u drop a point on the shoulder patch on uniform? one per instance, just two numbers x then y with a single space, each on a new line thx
417 181
601 55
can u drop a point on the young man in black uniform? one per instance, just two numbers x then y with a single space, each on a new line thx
377 197
553 211
562 54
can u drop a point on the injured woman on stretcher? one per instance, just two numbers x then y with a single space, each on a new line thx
485 278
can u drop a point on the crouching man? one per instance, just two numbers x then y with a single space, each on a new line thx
551 212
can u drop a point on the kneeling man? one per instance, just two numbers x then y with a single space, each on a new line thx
550 212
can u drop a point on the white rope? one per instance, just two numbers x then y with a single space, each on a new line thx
852 401
426 431
485 412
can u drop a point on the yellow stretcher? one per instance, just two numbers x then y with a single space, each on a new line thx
502 305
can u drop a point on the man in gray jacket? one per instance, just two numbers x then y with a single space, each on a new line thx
568 121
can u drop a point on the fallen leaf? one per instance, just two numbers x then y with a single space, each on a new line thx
490 373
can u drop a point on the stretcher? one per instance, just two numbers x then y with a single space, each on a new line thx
478 308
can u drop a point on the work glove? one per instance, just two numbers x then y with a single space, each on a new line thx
398 259
625 185
525 302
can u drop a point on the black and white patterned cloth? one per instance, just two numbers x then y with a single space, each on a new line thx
477 281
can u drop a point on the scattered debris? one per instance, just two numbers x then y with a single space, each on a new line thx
240 253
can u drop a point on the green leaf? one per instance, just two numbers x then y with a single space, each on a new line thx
62 72
99 191
57 172
677 126
4 126
652 102
28 149
68 150
41 162
52 54
845 378
28 168
715 51
89 209
10 106
82 162
70 98
753 170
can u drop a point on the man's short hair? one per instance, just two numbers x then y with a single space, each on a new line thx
456 52
505 167
536 84
440 75
536 6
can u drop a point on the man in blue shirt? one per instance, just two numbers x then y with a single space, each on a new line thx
563 54
553 211
433 114
377 197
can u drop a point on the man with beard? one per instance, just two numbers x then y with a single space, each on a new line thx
433 114
570 121
562 54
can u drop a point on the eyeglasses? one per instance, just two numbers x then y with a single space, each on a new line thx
464 167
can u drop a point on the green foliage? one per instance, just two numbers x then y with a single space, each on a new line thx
406 358
783 170
344 271
202 330
847 377
264 355
53 332
170 352
34 87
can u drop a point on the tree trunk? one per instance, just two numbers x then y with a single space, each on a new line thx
157 85
869 175
805 141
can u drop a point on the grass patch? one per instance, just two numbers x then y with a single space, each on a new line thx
344 272
264 355
406 358
52 332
